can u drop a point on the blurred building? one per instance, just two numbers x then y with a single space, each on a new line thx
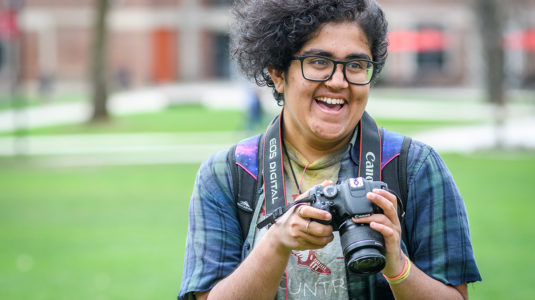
437 42
46 44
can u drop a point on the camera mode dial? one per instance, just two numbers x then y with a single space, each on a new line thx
330 192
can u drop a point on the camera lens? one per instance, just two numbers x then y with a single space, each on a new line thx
366 261
363 248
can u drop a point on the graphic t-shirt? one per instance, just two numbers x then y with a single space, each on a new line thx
320 273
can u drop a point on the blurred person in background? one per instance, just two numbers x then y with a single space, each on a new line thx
254 109
319 56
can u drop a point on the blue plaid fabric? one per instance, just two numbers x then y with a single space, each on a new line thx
436 222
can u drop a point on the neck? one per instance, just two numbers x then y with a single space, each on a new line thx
312 149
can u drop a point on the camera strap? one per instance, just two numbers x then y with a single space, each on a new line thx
273 167
368 151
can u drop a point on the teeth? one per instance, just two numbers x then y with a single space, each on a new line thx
330 100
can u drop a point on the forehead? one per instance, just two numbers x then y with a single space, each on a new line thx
338 40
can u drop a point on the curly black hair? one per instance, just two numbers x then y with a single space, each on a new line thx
269 32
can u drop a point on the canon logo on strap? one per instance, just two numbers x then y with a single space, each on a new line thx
370 159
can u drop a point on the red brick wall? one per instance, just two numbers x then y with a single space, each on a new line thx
73 58
132 52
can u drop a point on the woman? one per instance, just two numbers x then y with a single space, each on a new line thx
320 56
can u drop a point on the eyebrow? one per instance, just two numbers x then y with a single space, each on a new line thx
328 54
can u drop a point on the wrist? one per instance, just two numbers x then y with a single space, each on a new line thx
405 271
395 265
275 243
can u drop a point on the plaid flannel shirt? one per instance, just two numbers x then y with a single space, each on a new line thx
435 219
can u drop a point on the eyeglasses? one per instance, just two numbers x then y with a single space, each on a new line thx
320 68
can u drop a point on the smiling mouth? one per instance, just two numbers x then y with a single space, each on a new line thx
330 103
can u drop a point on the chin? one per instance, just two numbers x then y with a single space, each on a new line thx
332 133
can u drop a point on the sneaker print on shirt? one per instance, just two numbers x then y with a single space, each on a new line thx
308 258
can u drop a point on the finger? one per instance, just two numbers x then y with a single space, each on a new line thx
307 193
392 238
317 229
315 213
303 195
315 242
390 232
317 234
326 183
388 195
386 231
377 218
298 210
382 221
388 207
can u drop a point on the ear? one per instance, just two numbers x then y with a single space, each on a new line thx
278 79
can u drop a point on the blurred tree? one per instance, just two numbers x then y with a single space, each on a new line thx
99 68
491 19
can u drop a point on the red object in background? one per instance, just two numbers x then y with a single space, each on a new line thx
164 55
431 40
513 41
521 40
424 40
8 24
529 40
402 41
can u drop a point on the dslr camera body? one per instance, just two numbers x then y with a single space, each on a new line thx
362 246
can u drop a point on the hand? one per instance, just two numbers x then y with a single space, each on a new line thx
389 226
296 231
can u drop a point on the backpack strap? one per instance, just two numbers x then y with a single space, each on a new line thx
403 185
243 164
403 154
394 165
394 173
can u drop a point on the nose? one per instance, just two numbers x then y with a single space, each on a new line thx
337 80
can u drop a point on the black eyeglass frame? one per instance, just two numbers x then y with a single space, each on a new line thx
336 62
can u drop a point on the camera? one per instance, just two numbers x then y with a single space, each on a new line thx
362 246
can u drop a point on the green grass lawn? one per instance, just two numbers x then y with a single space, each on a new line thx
184 118
497 189
119 232
24 100
93 233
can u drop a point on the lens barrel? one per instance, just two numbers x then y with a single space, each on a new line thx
363 248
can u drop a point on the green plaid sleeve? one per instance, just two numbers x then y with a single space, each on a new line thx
213 244
436 220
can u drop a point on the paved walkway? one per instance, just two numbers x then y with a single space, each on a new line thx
516 134
118 149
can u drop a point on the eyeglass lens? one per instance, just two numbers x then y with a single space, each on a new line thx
320 68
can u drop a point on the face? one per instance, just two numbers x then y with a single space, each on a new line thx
323 113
